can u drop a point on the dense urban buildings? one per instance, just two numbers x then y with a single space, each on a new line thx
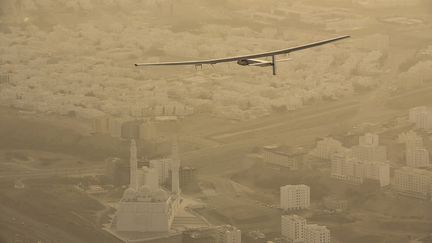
368 160
294 197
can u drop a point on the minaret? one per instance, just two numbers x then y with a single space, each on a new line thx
175 167
133 165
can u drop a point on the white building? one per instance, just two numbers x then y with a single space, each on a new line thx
411 140
421 116
293 228
275 157
228 234
346 168
316 234
294 197
369 149
370 153
415 111
413 182
417 157
379 171
326 147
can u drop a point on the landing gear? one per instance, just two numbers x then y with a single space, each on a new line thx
274 64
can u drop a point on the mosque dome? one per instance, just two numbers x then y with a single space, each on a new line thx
160 195
145 190
129 194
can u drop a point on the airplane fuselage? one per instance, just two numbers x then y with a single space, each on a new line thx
254 62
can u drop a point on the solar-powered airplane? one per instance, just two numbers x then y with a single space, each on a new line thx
248 60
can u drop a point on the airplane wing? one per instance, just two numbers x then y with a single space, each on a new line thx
236 58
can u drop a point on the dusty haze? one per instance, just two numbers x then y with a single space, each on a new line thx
93 149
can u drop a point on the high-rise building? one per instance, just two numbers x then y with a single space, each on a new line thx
130 130
369 139
346 168
163 166
370 153
187 176
413 182
411 140
293 197
326 147
378 171
175 168
316 234
101 125
421 116
369 149
414 112
293 228
133 165
117 171
116 127
417 157
228 234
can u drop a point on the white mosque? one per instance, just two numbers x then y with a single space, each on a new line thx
145 206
